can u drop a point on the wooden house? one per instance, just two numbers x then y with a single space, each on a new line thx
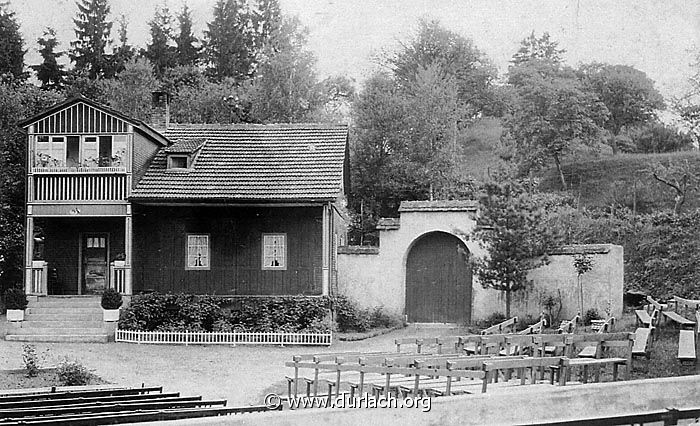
204 209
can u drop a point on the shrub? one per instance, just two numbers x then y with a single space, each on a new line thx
72 373
493 319
31 360
15 298
590 315
349 317
111 299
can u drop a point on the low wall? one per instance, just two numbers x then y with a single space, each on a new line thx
377 276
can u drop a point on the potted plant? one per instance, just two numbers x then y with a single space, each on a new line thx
16 302
111 301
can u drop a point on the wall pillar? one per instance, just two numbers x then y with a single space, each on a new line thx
325 247
128 241
28 253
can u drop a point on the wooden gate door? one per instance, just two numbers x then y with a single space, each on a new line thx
438 280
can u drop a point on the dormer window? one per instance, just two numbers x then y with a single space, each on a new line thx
178 161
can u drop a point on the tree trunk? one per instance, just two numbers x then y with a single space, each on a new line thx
561 172
680 200
508 295
580 295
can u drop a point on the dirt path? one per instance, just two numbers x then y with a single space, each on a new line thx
239 374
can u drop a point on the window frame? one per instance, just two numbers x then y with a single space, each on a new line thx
282 267
170 162
187 253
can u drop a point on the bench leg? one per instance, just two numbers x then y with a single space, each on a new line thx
614 372
597 374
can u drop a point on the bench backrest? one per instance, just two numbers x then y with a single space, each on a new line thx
654 303
602 341
535 328
685 304
505 326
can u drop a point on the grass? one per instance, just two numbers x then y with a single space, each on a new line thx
621 180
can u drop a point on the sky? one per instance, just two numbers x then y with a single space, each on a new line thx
657 37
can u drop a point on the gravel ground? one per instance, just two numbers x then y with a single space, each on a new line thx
239 374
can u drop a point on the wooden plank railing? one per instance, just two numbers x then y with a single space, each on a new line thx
37 284
80 187
120 277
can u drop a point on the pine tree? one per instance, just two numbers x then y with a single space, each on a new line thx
50 72
11 45
230 41
159 51
125 52
270 21
92 31
187 49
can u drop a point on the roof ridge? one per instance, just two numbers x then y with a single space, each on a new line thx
236 126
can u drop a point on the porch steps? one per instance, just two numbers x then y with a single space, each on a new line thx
61 319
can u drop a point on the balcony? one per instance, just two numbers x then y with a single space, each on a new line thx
104 185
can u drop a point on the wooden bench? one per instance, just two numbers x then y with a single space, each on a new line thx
686 346
585 364
525 367
507 326
604 343
535 328
681 305
642 340
679 319
569 326
599 327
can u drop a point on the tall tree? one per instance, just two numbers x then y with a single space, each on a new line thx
269 19
511 230
187 49
124 52
628 93
50 72
456 57
552 113
92 32
229 41
11 44
130 90
541 48
160 51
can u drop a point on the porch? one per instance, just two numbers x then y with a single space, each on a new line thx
78 256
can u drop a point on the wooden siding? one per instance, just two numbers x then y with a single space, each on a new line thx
235 247
80 118
143 152
61 247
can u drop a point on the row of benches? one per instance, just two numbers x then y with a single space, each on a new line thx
448 373
108 406
677 311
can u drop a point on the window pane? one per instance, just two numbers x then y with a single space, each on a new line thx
274 251
118 151
73 151
198 251
42 152
90 152
105 151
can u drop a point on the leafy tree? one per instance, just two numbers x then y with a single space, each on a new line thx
130 90
456 57
187 51
50 72
628 94
510 229
11 45
286 88
159 51
688 105
657 137
539 49
124 52
17 102
582 263
222 102
552 112
269 18
92 31
229 41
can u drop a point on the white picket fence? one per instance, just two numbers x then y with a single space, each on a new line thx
222 338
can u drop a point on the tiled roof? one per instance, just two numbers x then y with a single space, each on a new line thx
285 162
437 206
185 146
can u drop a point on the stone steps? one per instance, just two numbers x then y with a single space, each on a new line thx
61 319
58 338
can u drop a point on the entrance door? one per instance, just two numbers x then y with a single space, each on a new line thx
94 269
438 280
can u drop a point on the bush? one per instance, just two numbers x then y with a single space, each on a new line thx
72 373
493 319
15 299
590 315
181 312
111 299
31 360
349 317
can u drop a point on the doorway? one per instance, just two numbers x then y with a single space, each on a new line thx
94 268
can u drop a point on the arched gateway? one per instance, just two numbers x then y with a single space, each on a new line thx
438 280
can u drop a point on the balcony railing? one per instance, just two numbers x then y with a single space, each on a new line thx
120 277
80 187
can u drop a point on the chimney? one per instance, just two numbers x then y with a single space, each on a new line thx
160 110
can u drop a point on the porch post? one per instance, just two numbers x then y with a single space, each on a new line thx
326 249
127 250
28 253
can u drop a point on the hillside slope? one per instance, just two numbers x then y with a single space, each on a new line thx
622 180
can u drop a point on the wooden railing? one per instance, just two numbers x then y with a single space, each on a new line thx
37 284
91 170
80 187
120 277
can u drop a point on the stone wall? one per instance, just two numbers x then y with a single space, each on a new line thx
376 276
